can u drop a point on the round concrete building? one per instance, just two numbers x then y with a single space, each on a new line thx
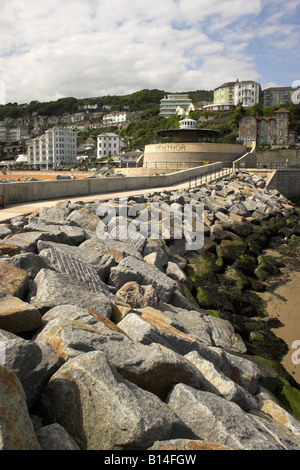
188 147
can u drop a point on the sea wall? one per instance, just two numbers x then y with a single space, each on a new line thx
28 191
286 182
114 339
283 156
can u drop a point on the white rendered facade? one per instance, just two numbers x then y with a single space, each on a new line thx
247 93
108 144
57 146
13 134
170 103
116 119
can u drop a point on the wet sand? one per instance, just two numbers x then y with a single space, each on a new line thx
284 303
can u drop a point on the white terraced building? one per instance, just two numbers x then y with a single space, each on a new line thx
247 93
108 144
176 103
58 146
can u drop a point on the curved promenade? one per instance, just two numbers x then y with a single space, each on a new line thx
24 198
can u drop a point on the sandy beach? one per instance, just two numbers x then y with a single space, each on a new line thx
42 175
284 303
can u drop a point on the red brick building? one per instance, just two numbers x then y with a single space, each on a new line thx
272 130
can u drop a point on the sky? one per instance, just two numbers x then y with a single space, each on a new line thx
54 49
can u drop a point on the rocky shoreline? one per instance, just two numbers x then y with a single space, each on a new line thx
113 342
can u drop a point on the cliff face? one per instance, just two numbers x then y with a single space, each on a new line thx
137 324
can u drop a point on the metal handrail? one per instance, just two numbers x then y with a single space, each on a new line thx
210 176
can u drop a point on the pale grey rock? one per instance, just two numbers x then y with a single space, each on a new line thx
108 412
30 262
281 433
32 362
19 221
4 231
101 262
72 331
64 262
128 234
216 204
192 322
154 368
27 241
54 214
18 316
154 260
224 336
159 247
221 385
176 273
85 218
68 234
190 445
179 260
53 289
242 229
137 295
16 428
259 216
219 233
242 370
225 218
250 204
215 419
141 329
132 269
70 312
206 328
239 209
55 437
116 248
13 281
269 405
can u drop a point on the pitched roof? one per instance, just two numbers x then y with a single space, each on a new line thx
281 110
225 85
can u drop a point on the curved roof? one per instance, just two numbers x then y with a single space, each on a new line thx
192 134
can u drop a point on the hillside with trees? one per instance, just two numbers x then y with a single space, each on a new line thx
146 120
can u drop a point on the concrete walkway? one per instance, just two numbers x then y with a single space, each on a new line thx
14 210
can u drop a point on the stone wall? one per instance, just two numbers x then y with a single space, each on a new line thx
20 192
192 152
269 156
286 182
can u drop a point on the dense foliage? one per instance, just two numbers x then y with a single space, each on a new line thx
145 106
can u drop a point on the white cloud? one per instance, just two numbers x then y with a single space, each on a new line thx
82 48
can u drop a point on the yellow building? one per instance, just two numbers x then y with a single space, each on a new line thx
224 94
